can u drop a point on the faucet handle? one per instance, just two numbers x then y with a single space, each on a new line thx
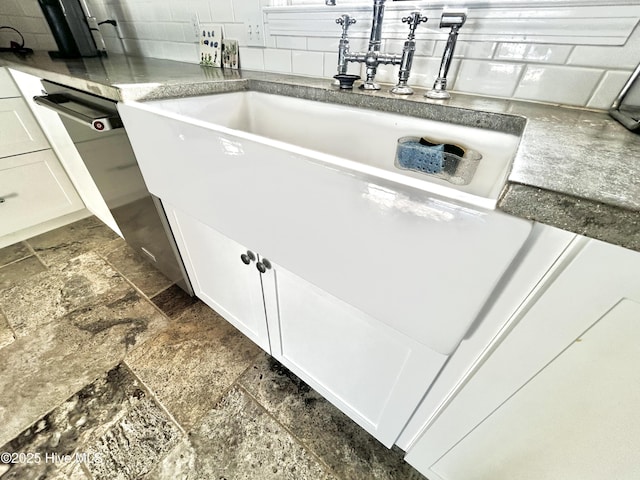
345 21
414 19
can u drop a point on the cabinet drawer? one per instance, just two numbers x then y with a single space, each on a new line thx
33 189
8 88
19 130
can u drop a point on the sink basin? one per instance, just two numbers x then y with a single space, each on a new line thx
350 138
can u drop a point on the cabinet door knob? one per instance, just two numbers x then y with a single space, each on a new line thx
263 265
248 257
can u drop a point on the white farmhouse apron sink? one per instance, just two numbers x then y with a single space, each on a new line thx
312 186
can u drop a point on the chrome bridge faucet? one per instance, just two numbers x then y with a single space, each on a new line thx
373 57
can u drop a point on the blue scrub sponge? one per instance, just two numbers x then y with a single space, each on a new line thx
414 155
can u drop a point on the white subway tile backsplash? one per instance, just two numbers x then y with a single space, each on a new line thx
323 44
387 74
189 33
558 84
156 12
203 11
45 42
331 65
466 49
488 78
11 8
222 11
181 11
292 43
31 8
252 58
114 45
614 57
131 47
174 32
145 31
535 53
246 9
566 72
608 89
424 48
307 63
277 60
181 52
425 71
236 31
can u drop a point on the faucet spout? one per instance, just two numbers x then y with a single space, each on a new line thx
375 39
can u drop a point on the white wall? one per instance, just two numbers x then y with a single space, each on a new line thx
578 54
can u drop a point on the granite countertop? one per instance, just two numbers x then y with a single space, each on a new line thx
575 169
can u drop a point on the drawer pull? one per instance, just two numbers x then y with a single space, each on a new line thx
6 197
248 257
263 265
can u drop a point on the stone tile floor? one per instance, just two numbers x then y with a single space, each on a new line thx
107 371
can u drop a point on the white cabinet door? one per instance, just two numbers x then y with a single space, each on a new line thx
8 88
373 373
219 277
558 397
19 131
33 189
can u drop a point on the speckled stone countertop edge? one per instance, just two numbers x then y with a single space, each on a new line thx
583 216
576 166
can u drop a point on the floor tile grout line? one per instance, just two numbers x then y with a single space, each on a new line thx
6 318
298 440
149 298
35 254
136 288
155 397
22 259
13 262
226 390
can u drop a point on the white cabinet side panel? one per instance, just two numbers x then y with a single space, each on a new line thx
576 419
591 282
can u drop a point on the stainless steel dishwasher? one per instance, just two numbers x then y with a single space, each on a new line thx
95 127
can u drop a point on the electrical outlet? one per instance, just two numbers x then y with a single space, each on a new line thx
255 32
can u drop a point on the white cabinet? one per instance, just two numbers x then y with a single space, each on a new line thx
558 397
19 131
35 190
8 89
372 372
219 277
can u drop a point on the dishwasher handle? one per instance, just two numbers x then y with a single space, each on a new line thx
88 115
